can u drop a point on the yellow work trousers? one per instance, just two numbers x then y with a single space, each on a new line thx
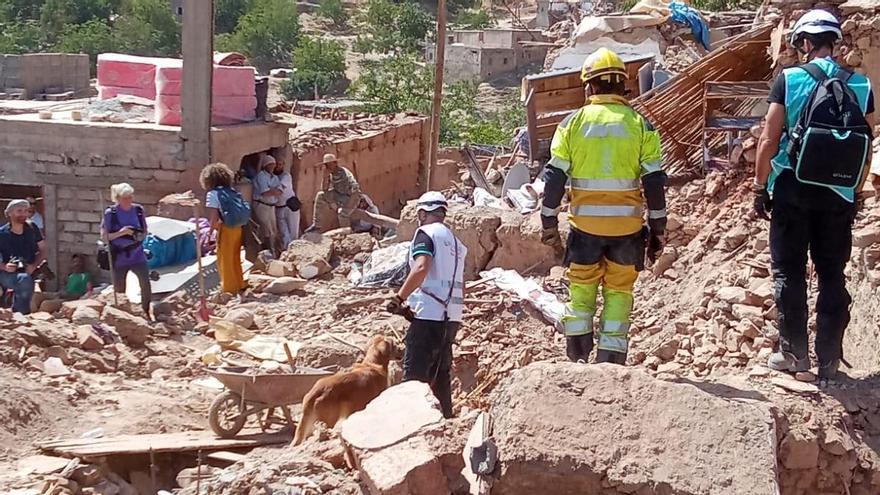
617 290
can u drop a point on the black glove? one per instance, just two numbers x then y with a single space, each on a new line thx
763 203
656 243
394 305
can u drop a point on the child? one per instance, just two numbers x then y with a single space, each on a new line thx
79 282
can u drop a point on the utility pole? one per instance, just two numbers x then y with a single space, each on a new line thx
439 59
198 72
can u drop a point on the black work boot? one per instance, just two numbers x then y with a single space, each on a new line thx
828 371
613 357
578 347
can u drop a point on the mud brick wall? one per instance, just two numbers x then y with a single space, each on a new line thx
387 164
75 164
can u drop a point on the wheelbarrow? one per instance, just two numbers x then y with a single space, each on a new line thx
250 394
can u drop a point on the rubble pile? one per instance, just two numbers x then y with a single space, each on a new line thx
724 316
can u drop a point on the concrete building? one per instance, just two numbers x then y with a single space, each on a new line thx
71 164
481 55
31 75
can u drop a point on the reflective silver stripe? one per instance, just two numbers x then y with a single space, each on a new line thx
616 344
605 184
597 130
456 300
612 327
549 212
577 326
559 163
657 213
651 167
606 211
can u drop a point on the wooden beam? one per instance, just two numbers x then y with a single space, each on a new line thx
439 62
185 441
198 72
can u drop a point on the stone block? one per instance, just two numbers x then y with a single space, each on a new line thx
134 330
644 435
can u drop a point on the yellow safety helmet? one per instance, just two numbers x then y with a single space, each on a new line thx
604 64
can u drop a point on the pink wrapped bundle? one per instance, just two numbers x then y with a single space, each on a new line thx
129 71
228 81
225 110
107 92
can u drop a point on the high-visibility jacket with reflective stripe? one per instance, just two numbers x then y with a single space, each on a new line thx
605 148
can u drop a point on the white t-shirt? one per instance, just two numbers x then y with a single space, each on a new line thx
37 220
212 199
287 191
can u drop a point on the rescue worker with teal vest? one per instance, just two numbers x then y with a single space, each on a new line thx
810 215
609 153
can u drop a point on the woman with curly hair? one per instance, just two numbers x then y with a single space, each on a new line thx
216 179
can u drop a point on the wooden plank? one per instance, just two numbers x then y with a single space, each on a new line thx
558 100
159 442
740 89
546 131
531 118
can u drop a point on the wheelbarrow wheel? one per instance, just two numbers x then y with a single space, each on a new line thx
225 416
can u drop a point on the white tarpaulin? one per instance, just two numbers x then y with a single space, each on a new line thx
528 289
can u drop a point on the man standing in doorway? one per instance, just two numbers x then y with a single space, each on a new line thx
340 196
434 290
267 195
22 249
799 179
607 150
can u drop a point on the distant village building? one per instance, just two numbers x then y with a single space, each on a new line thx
479 55
177 8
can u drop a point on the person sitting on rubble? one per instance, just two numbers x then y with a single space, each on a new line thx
124 228
22 250
358 225
808 179
35 217
267 195
217 179
288 207
340 195
79 282
434 291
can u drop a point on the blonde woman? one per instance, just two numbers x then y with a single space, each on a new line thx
124 228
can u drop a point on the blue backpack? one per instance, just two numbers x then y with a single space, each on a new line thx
234 210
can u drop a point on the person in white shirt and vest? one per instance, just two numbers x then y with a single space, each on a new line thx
434 291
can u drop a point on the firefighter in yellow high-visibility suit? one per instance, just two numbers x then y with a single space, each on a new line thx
607 151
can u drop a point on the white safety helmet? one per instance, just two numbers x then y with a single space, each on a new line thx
432 200
816 21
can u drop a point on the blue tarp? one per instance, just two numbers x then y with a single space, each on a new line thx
685 14
179 249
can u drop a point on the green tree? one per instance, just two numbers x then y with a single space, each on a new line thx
473 19
397 83
91 37
333 10
148 27
227 14
319 64
56 14
392 27
21 37
22 9
268 33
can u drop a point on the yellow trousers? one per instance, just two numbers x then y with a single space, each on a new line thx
229 259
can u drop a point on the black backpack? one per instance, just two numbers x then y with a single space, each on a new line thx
830 142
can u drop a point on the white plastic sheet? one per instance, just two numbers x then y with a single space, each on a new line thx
528 289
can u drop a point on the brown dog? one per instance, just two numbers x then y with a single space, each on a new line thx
334 398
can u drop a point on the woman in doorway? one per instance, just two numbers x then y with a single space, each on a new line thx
216 179
124 228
